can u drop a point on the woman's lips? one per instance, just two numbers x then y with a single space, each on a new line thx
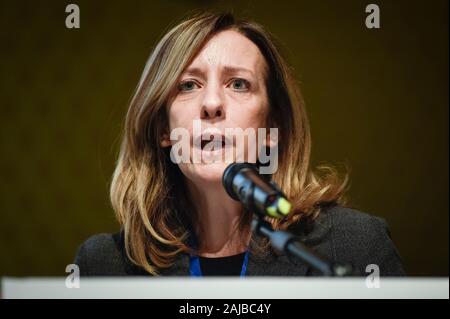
211 142
211 146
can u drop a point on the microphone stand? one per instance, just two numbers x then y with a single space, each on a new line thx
283 241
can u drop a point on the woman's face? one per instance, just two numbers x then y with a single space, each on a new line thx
224 87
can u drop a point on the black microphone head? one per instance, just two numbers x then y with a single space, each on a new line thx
229 174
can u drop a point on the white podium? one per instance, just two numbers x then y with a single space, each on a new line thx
225 288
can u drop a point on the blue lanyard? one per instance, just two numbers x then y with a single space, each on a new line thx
195 271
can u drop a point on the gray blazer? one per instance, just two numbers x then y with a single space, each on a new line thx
339 234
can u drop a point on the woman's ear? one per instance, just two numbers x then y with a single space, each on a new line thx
165 140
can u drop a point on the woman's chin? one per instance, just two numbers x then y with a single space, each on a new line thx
206 172
212 172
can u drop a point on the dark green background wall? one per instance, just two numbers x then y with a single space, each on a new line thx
377 100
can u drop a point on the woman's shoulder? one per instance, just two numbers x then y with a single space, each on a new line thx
349 235
336 220
353 220
103 255
101 242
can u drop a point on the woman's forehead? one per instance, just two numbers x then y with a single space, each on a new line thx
229 51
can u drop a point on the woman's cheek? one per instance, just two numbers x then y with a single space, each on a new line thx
181 115
256 114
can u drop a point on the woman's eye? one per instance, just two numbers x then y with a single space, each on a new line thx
187 86
240 84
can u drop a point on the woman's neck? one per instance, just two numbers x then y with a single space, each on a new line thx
218 216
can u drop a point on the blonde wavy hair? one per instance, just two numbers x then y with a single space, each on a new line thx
148 190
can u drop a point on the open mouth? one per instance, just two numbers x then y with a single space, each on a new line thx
212 145
212 141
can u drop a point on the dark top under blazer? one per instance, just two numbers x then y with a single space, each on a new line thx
338 234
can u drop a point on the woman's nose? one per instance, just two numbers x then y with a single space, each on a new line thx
212 107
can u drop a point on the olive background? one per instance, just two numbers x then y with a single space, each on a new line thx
377 100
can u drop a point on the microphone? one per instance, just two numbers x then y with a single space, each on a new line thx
243 183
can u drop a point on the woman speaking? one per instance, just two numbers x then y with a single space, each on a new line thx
207 75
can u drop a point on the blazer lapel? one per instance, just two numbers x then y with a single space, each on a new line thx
310 234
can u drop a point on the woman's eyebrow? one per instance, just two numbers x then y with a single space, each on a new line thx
194 71
227 69
235 69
